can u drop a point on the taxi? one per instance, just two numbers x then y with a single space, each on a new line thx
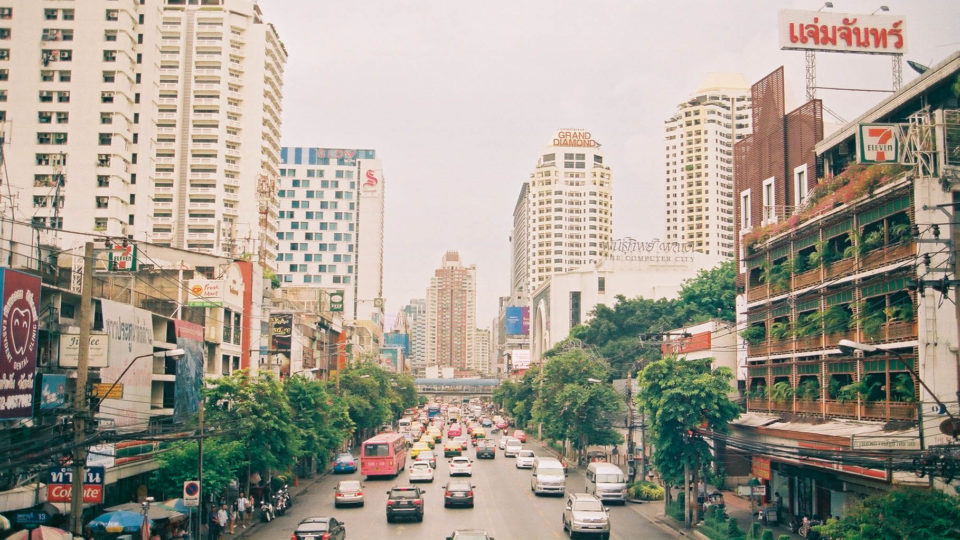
418 447
428 440
452 448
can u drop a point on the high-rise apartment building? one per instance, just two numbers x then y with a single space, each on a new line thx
218 128
451 314
570 207
416 314
157 120
699 141
481 351
319 196
520 269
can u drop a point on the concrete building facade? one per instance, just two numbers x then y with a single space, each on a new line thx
451 313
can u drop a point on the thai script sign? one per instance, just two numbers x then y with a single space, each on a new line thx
281 328
842 32
878 143
574 137
130 332
631 249
19 324
59 480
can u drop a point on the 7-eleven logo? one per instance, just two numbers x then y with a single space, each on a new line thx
879 143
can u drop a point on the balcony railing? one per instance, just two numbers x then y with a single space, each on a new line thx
758 404
810 277
833 339
757 293
840 268
757 349
781 346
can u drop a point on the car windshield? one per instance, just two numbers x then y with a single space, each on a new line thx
421 465
615 478
313 526
425 455
526 453
588 506
458 486
550 471
349 485
345 457
461 461
404 494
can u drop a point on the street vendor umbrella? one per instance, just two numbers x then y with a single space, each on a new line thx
119 522
41 533
176 505
4 523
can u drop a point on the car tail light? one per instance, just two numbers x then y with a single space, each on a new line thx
417 502
326 536
391 503
294 537
446 494
470 494
359 493
338 494
351 464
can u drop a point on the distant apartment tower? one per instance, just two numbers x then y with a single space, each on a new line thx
451 314
319 195
481 351
416 314
699 141
570 207
77 116
520 267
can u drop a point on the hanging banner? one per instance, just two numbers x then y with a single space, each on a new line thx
513 322
53 391
281 328
130 331
189 382
19 325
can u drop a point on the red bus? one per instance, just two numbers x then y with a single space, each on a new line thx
383 455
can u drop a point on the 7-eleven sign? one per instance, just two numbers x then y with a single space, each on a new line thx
879 143
123 258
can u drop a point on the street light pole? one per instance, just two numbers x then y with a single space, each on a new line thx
80 410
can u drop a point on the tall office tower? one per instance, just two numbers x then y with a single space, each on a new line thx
519 278
319 196
570 207
481 351
77 90
699 143
416 313
451 314
218 116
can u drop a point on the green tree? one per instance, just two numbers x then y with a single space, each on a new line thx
319 415
255 412
712 294
517 397
902 513
576 403
222 462
375 396
682 397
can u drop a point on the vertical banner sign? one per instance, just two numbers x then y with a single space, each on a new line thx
130 331
336 301
187 388
18 342
281 327
514 321
525 321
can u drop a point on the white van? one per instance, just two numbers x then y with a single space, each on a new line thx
607 482
548 476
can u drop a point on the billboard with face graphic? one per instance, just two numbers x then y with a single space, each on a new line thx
18 342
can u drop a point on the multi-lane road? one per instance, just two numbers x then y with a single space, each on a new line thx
505 508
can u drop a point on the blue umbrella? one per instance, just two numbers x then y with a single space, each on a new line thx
120 521
176 504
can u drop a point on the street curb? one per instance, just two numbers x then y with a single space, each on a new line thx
304 486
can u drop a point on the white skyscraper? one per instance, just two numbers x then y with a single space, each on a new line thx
699 143
158 120
481 351
570 207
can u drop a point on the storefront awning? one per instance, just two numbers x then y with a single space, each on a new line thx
22 497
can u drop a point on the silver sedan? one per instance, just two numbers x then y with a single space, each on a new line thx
348 492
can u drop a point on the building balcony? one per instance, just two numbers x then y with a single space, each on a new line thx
810 277
758 349
847 409
781 346
833 339
840 268
809 343
808 407
758 292
758 404
894 331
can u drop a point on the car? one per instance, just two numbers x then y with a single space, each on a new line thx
525 459
502 443
406 501
520 435
417 448
421 471
585 513
348 492
513 447
458 493
486 450
486 422
461 466
314 528
469 534
427 439
464 442
345 463
429 457
452 448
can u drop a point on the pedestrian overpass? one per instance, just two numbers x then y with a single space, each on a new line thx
467 388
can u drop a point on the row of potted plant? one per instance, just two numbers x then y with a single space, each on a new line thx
836 319
840 388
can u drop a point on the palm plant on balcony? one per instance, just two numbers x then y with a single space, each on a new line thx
754 335
902 388
809 389
873 240
758 392
781 330
800 263
781 392
850 392
872 321
810 324
902 312
836 319
899 227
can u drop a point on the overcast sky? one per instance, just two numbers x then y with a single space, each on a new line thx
459 99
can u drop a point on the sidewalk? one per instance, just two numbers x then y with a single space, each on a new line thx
303 485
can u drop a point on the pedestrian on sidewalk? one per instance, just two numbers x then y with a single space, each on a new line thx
242 510
248 517
232 509
222 520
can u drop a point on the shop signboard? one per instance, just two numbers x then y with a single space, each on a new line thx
19 325
60 480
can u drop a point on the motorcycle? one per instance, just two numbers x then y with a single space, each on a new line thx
277 501
267 512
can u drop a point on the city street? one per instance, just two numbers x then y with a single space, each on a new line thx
505 508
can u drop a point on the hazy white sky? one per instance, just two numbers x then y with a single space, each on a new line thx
459 98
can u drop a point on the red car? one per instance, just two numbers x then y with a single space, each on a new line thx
520 435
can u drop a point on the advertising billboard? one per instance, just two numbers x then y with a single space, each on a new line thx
19 324
53 391
842 32
70 350
281 328
513 322
520 359
189 381
130 332
205 293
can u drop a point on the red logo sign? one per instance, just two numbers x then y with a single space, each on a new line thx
370 184
18 342
61 493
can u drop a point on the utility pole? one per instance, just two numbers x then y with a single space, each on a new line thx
80 405
200 468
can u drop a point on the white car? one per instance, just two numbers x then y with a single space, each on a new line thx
461 466
502 442
525 459
512 448
421 471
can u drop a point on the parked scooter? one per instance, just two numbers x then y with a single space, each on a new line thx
267 511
